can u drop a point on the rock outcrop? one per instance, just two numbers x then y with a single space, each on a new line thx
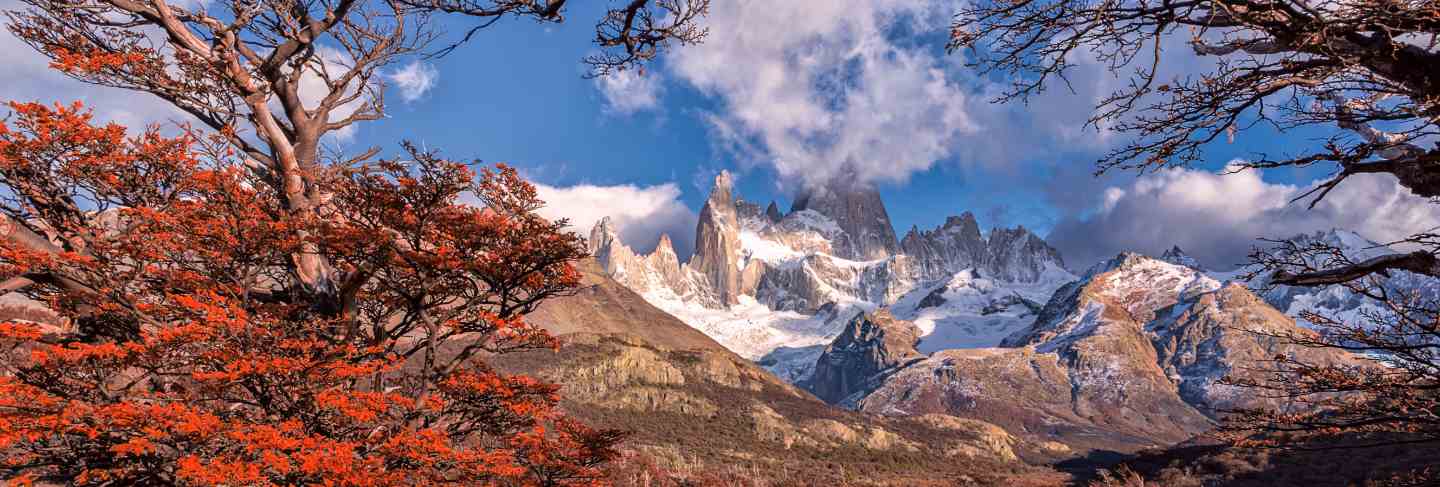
872 345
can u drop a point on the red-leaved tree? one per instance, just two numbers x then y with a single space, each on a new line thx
189 352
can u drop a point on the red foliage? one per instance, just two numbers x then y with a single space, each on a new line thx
195 355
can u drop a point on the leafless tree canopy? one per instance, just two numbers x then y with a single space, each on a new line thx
1368 70
1369 67
1365 71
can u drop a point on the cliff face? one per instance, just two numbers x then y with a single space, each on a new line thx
717 242
1229 332
871 345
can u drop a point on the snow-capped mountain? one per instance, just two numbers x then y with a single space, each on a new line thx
983 325
1128 356
778 287
971 310
1338 301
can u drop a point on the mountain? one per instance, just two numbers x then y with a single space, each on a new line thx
970 310
856 208
1177 256
696 408
1337 301
1124 358
717 242
800 277
1011 254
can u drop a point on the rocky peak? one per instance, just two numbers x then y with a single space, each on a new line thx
1009 254
1177 256
665 245
1129 285
772 212
664 261
870 346
857 209
605 244
1016 254
965 225
717 241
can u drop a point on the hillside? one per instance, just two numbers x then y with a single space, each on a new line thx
692 406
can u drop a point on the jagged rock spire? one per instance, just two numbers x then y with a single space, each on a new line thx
602 237
717 241
773 212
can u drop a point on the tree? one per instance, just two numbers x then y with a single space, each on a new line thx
1365 71
185 358
274 77
241 304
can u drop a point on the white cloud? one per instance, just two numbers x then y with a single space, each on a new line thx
640 213
812 85
629 91
414 80
1218 217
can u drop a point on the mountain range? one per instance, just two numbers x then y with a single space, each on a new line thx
989 326
814 346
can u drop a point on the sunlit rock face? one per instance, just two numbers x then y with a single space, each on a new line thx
717 242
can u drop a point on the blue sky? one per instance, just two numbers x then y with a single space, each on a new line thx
781 94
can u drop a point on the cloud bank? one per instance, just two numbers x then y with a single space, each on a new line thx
812 85
640 213
1217 218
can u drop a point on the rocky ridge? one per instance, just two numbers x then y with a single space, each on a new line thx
1337 301
797 278
1125 358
